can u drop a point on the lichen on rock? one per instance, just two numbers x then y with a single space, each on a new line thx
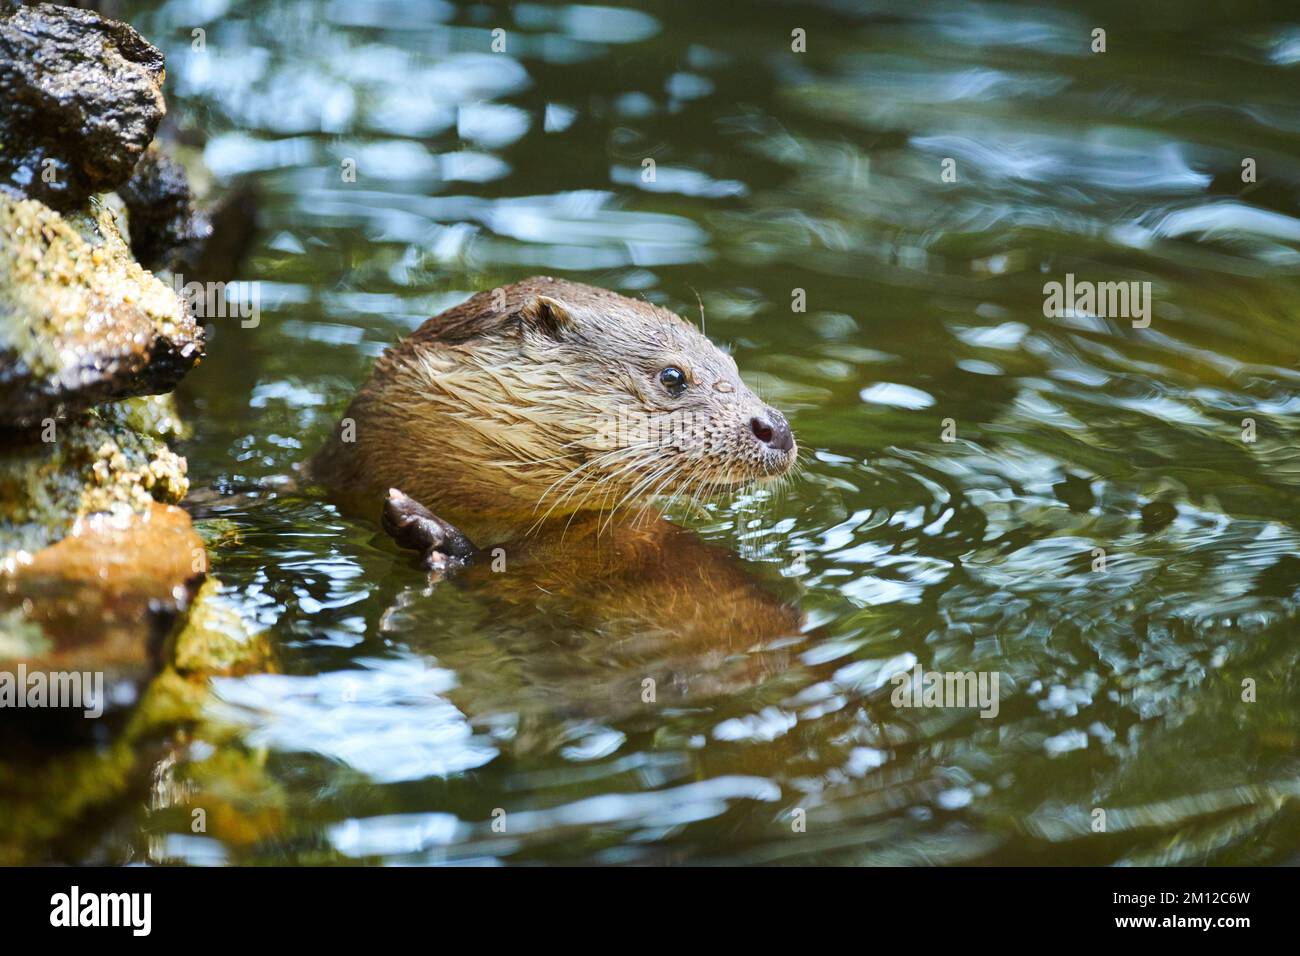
152 415
80 321
90 466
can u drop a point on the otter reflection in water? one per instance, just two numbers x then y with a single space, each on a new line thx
540 419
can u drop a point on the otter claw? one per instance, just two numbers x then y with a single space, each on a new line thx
444 547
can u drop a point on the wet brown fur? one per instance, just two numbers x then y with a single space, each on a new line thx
516 406
491 414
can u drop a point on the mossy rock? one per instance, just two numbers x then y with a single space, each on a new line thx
169 754
55 476
152 415
216 640
80 321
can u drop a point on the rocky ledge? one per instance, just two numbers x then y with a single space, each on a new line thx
101 570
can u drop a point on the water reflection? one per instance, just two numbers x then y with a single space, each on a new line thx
389 721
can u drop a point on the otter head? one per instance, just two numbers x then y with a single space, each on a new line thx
639 404
547 397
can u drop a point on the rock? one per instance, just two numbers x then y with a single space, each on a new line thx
51 794
91 466
242 804
99 571
43 798
80 100
96 563
106 599
55 768
167 231
152 415
80 321
234 229
178 225
1157 515
216 641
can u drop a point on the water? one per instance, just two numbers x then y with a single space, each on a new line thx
409 720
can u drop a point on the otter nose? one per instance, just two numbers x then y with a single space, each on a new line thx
772 430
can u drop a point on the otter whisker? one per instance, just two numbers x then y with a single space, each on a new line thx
637 490
699 482
676 494
649 498
609 487
600 459
609 481
693 481
708 486
700 303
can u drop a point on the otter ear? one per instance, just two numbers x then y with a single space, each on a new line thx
549 315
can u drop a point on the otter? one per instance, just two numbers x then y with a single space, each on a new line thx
543 401
543 416
540 419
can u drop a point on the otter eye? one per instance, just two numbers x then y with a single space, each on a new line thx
673 379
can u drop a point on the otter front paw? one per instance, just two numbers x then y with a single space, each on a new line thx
443 547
